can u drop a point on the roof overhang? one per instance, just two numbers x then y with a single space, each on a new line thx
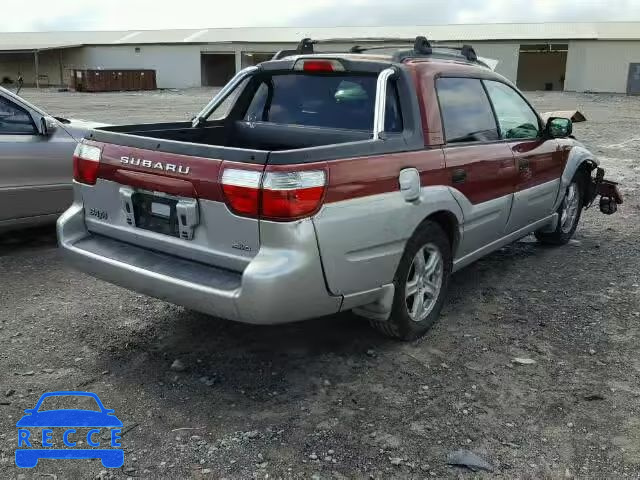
36 47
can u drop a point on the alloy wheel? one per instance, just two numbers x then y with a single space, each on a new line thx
424 282
570 208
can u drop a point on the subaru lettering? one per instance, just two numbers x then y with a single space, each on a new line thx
165 167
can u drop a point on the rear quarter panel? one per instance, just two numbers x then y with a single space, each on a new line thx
365 222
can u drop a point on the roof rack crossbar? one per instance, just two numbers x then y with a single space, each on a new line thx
305 47
422 47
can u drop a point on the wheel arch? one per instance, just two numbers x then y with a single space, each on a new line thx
362 242
449 223
580 160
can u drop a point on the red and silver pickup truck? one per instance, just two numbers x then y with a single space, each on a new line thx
319 183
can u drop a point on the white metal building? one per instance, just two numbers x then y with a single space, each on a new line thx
598 57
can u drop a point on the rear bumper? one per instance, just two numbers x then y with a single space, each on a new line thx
279 285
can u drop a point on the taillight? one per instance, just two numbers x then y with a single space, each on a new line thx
86 160
291 195
241 189
280 195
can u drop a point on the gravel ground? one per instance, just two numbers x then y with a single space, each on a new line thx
330 398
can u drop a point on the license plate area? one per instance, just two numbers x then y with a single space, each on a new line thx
155 213
160 213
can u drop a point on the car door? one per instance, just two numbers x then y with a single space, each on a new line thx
539 160
481 167
36 169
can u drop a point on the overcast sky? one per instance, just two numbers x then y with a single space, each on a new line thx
44 15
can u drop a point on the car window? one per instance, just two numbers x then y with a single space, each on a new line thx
466 111
516 119
69 402
14 119
222 111
332 101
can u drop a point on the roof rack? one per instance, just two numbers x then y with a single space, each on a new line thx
305 47
421 48
424 48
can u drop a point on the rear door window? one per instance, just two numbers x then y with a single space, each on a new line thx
331 101
466 111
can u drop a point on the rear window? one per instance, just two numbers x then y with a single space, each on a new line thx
343 101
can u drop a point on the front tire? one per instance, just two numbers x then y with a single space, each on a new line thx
569 213
421 283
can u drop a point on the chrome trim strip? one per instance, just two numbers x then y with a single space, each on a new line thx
223 94
381 102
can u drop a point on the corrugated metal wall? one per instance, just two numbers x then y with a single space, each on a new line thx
12 64
176 66
505 53
600 66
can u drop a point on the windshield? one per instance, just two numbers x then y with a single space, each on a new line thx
69 402
344 100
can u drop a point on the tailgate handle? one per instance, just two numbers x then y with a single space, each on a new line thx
410 184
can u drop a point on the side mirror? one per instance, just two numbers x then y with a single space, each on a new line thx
559 127
47 125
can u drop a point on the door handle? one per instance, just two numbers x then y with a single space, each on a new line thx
409 179
459 176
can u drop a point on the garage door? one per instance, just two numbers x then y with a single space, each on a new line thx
217 68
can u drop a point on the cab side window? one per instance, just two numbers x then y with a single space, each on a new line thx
516 119
466 111
14 120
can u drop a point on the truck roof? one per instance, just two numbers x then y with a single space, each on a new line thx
387 59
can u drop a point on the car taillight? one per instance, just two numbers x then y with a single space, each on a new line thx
86 160
291 195
241 190
280 195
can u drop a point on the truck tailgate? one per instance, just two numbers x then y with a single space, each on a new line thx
169 203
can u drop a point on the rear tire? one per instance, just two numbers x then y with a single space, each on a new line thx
569 213
421 283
